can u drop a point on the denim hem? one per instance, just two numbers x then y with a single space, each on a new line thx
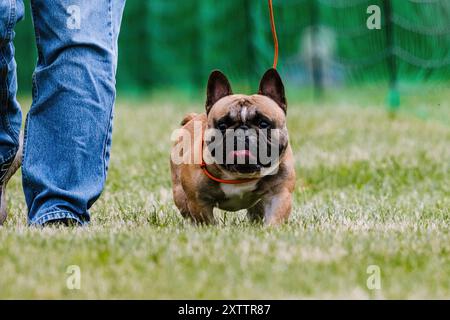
56 215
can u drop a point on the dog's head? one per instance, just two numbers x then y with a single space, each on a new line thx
247 135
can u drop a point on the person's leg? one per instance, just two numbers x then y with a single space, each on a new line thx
10 13
68 128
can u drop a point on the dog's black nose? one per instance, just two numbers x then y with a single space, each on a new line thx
243 127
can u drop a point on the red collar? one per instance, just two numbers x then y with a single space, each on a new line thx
212 177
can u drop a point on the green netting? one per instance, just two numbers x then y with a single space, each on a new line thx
177 43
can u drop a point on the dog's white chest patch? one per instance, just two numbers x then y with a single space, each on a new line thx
238 190
238 197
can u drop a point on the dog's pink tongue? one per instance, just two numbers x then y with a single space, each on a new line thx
242 154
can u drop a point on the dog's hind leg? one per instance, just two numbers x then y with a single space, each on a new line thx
201 214
278 208
181 201
190 210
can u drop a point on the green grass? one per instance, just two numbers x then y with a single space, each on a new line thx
371 190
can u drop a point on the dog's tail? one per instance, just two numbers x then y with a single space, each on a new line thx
188 118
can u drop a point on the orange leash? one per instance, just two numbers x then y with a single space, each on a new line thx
275 62
274 35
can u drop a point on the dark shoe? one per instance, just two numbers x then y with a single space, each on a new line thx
67 222
7 170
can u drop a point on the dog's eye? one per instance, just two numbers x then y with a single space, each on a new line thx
222 126
264 124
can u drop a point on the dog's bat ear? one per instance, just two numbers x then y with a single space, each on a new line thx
218 87
272 87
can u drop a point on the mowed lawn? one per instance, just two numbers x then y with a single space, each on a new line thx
372 190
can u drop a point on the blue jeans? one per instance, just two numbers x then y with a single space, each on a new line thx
67 134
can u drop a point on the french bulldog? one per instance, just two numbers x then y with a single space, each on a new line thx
236 155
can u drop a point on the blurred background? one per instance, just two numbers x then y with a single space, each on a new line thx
325 45
369 125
